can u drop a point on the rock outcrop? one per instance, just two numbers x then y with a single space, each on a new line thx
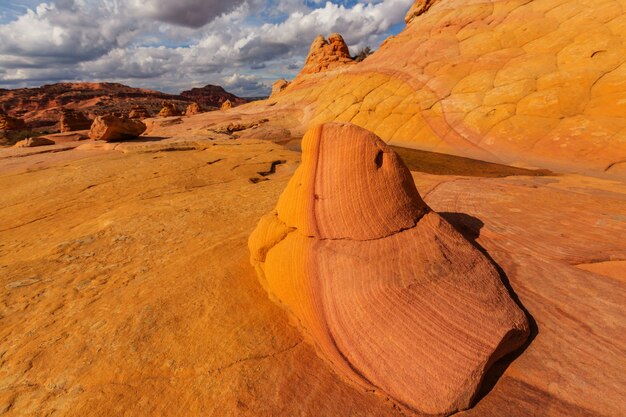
392 295
212 96
72 120
534 83
327 54
111 128
138 112
192 109
42 106
33 142
169 110
11 123
226 105
279 86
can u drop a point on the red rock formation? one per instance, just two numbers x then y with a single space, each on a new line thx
391 294
325 55
41 107
72 120
10 123
111 128
169 110
212 96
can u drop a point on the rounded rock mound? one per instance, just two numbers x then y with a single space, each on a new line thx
389 293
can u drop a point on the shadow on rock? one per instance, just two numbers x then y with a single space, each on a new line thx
469 227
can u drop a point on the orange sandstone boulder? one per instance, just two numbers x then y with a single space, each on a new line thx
390 294
111 128
72 120
169 110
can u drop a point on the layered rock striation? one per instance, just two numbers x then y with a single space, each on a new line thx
389 293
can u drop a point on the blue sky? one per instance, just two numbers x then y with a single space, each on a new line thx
173 45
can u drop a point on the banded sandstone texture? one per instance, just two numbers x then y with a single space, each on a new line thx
517 81
391 294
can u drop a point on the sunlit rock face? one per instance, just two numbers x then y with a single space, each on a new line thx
532 83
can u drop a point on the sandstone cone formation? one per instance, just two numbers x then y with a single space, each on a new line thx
226 105
111 128
326 54
72 120
390 294
193 109
279 86
169 110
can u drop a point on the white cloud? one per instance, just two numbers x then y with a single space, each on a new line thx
151 43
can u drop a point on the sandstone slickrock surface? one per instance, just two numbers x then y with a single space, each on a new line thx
517 82
169 110
111 128
144 302
72 120
391 294
33 142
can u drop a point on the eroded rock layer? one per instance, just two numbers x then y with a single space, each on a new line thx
390 294
529 82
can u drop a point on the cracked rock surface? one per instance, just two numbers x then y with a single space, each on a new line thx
390 294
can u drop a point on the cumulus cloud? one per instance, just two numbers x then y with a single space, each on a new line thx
174 45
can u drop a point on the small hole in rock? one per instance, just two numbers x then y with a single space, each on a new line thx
379 159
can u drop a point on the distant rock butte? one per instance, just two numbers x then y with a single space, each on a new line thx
518 82
326 54
212 96
72 120
111 128
391 294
